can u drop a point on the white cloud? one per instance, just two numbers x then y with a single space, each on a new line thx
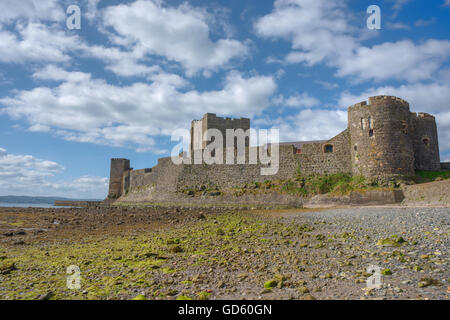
432 98
90 110
320 32
446 3
297 101
424 23
85 187
122 63
317 29
179 34
36 42
92 10
401 60
397 26
31 9
39 128
326 84
311 124
28 175
398 5
55 73
141 32
26 168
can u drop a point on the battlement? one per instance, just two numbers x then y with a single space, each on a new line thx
423 115
377 100
213 117
359 104
381 100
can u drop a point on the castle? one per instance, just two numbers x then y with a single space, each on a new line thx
383 140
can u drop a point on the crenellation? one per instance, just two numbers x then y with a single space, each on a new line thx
358 105
425 115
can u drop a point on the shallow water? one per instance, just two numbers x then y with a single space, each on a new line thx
27 205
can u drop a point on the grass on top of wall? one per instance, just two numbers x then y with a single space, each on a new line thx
336 183
433 175
310 185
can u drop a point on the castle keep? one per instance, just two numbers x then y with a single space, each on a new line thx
211 121
383 140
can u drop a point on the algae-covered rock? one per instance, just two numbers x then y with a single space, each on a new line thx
308 297
426 282
280 277
270 284
386 272
6 267
176 249
303 290
203 295
393 241
140 297
46 296
173 241
172 292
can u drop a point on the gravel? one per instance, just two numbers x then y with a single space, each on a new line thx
422 257
383 221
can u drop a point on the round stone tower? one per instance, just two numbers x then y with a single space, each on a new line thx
381 138
425 142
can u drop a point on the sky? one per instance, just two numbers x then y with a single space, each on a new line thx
71 99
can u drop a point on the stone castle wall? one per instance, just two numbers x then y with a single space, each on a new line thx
164 175
383 139
311 159
314 160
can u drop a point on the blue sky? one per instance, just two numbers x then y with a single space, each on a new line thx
136 70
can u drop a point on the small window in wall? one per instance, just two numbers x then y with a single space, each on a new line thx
371 133
363 123
426 141
328 148
404 127
370 123
355 148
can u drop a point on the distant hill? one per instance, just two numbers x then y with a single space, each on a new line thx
38 200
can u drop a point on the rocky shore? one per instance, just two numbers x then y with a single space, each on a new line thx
172 252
